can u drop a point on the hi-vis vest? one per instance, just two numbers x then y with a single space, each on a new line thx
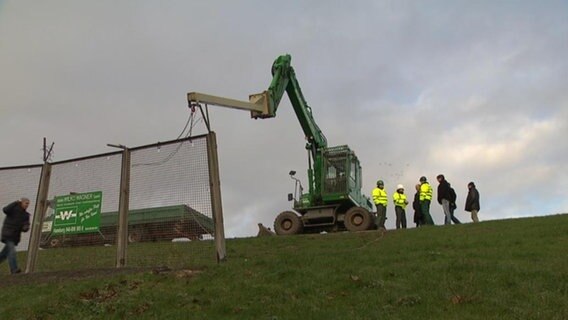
399 199
380 196
425 192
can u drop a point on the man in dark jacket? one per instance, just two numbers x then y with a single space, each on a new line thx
453 206
445 197
472 201
17 221
416 206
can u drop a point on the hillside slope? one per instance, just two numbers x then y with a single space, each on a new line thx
508 269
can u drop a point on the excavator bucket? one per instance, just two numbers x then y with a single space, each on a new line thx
262 101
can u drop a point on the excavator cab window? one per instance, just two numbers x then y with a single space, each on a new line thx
353 174
336 172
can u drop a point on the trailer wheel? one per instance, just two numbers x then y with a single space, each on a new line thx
135 235
54 243
287 223
358 219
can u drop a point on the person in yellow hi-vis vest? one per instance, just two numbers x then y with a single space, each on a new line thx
425 199
400 202
381 200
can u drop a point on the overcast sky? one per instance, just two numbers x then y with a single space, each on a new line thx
476 90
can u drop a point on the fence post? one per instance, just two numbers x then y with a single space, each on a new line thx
123 207
37 221
215 188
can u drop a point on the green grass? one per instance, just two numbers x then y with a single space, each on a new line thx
509 269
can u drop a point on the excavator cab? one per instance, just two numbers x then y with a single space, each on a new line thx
336 170
342 175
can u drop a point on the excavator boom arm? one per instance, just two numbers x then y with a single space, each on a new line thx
284 81
264 105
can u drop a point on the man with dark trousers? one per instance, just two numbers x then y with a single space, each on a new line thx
453 206
17 221
418 219
381 200
400 202
425 199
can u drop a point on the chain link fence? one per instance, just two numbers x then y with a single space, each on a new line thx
170 204
99 173
169 195
15 183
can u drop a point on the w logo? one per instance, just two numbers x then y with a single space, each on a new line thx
66 215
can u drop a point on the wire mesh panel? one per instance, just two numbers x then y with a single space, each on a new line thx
170 217
16 183
64 247
170 205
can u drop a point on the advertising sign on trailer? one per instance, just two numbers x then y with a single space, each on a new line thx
77 213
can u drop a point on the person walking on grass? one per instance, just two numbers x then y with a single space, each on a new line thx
400 202
453 206
380 199
447 198
425 199
17 221
472 201
418 219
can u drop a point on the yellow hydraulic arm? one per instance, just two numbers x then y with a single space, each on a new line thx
257 105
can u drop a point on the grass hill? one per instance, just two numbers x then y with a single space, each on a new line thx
508 269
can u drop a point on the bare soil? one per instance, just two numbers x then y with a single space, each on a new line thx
67 275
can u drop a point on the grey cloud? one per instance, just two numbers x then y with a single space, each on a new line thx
403 83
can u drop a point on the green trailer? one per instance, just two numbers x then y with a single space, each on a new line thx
148 224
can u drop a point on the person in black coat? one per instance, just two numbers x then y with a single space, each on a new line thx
447 198
416 206
472 201
17 221
444 197
453 206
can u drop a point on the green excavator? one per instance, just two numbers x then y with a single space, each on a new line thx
334 200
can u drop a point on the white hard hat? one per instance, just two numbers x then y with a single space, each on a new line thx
400 186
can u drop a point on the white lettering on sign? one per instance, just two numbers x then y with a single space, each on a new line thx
66 215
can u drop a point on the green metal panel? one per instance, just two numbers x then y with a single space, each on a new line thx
157 215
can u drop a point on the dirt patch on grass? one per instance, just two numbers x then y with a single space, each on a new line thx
65 275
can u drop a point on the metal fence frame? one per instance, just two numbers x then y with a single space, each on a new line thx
41 203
